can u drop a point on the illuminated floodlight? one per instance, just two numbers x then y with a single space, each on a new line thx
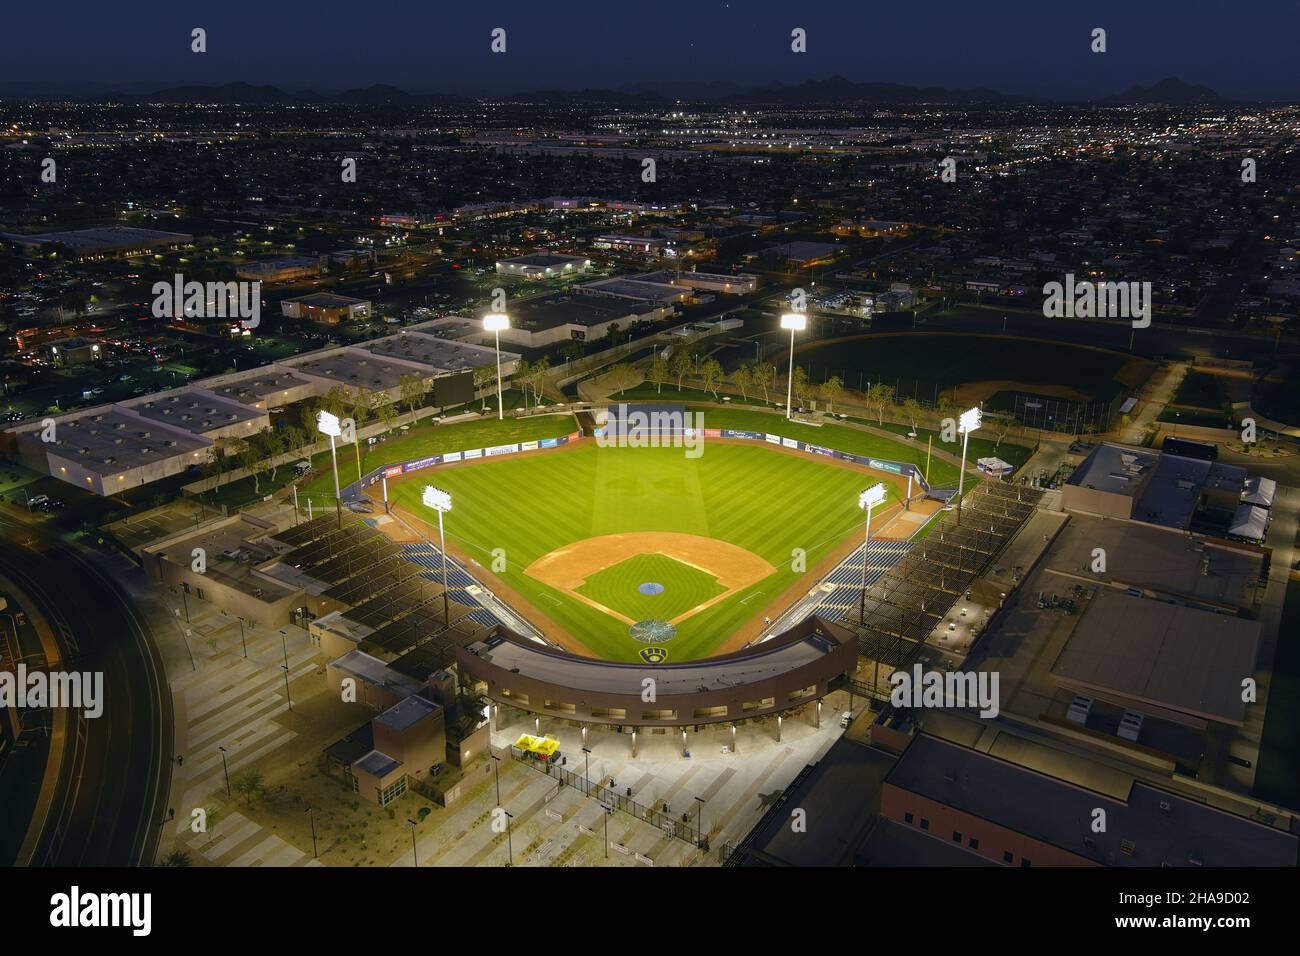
794 321
970 421
872 496
436 498
327 423
496 322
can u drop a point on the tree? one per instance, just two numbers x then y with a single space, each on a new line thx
912 409
385 409
621 377
522 371
680 363
1002 425
763 373
247 783
799 383
878 396
712 374
274 443
484 376
572 350
614 335
359 409
830 390
177 858
412 388
743 377
659 372
537 377
249 454
220 457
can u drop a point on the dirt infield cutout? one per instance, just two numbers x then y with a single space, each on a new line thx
567 568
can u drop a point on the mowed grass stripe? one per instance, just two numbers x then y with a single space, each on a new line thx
760 499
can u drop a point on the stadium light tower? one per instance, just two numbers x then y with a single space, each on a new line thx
970 421
440 501
795 322
327 423
496 323
866 501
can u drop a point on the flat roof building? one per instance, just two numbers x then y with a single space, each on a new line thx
326 307
1016 816
543 265
103 242
1181 663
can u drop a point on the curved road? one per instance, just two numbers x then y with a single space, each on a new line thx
110 799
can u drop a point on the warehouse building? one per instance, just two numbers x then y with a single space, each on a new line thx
543 265
326 308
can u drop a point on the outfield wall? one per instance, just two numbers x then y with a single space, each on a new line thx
401 469
903 468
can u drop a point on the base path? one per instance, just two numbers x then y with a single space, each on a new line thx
567 568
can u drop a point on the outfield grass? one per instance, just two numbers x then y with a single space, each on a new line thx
425 440
765 501
1007 450
839 437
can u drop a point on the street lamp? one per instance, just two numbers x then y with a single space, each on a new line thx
970 421
328 423
699 818
586 772
866 501
415 856
510 846
496 323
795 322
609 811
440 501
225 769
312 816
497 767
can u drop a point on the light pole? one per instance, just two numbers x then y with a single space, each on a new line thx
328 424
440 501
510 846
496 323
242 641
609 811
970 421
866 501
795 322
699 817
415 856
225 769
586 772
497 767
312 816
285 668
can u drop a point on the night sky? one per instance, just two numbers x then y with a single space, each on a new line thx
1035 47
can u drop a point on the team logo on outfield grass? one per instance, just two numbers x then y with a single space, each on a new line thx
654 655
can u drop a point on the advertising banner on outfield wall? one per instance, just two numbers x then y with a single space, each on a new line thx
878 464
501 450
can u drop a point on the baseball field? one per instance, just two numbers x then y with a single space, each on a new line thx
626 549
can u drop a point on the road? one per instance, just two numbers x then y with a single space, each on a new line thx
111 795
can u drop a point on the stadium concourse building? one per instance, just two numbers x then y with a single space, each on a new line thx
789 671
112 448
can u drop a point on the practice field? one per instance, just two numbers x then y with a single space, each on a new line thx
925 364
602 539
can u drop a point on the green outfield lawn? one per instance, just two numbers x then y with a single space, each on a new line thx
684 587
839 437
424 440
1007 450
756 498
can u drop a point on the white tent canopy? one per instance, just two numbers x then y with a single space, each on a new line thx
1250 523
1259 491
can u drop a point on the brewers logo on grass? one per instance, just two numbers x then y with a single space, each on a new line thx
654 655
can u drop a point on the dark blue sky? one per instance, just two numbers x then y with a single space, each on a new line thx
1242 50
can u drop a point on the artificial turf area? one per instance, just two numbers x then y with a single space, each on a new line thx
759 499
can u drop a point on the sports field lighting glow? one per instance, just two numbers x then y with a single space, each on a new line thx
795 322
866 501
496 323
970 421
440 501
328 423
